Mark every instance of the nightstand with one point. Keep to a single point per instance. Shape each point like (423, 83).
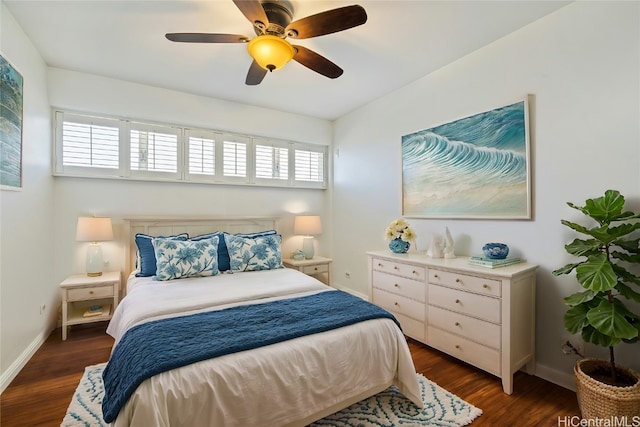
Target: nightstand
(312, 267)
(79, 292)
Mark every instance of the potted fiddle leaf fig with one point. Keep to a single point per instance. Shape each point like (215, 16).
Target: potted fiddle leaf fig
(601, 313)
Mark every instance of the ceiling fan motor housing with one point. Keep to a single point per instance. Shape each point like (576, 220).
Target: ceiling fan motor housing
(279, 15)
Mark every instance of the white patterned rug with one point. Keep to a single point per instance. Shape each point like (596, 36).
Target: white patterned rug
(386, 409)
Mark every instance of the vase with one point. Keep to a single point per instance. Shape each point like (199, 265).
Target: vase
(399, 246)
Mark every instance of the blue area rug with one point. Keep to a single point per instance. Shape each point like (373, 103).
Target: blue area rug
(386, 409)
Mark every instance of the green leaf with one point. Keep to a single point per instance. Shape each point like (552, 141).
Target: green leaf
(610, 319)
(590, 334)
(624, 275)
(575, 319)
(566, 269)
(634, 259)
(632, 246)
(579, 298)
(627, 292)
(604, 208)
(581, 247)
(596, 274)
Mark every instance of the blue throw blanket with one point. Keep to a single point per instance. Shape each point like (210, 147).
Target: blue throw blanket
(158, 346)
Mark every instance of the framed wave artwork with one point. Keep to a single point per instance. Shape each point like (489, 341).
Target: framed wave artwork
(476, 167)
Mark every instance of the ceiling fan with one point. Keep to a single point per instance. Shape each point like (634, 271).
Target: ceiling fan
(271, 20)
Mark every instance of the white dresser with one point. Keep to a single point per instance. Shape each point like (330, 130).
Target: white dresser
(483, 316)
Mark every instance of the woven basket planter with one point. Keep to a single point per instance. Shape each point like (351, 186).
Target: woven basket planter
(599, 400)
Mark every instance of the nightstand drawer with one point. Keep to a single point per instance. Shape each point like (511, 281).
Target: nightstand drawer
(315, 269)
(482, 307)
(80, 294)
(465, 282)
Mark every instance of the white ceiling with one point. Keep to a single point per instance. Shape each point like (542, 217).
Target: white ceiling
(401, 42)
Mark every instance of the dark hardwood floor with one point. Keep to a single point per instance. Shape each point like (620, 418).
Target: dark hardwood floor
(40, 394)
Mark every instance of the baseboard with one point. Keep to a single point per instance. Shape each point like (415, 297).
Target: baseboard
(21, 361)
(560, 378)
(352, 292)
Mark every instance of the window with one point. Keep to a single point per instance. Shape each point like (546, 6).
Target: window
(272, 162)
(310, 165)
(91, 146)
(154, 149)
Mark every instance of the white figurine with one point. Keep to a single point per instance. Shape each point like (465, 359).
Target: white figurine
(448, 245)
(435, 250)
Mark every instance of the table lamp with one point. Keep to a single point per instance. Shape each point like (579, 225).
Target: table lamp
(94, 230)
(307, 225)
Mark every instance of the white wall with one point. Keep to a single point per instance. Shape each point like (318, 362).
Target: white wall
(26, 216)
(582, 64)
(75, 197)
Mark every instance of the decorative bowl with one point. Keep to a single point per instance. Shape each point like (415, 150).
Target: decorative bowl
(495, 250)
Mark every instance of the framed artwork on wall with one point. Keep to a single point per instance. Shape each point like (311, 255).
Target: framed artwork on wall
(11, 99)
(476, 167)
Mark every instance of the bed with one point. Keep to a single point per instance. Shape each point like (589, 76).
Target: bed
(291, 379)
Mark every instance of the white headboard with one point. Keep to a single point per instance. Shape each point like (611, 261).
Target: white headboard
(165, 226)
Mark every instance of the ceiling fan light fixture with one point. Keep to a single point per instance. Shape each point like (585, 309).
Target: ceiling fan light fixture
(270, 52)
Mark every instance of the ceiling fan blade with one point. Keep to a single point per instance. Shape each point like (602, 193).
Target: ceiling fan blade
(206, 38)
(317, 62)
(255, 75)
(253, 11)
(328, 22)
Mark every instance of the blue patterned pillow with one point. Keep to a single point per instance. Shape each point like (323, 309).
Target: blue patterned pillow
(146, 254)
(178, 259)
(254, 253)
(223, 253)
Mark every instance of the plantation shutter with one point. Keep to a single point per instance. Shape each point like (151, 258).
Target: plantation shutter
(271, 161)
(154, 150)
(309, 165)
(90, 145)
(234, 158)
(201, 155)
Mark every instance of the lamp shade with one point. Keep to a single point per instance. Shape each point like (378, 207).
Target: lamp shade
(307, 225)
(91, 229)
(270, 52)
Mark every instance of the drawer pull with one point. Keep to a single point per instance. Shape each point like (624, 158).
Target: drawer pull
(415, 272)
(458, 281)
(436, 276)
(485, 286)
(396, 268)
(396, 304)
(457, 346)
(91, 292)
(379, 264)
(316, 268)
(457, 301)
(457, 323)
(396, 285)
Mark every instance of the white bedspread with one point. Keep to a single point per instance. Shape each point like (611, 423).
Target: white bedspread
(288, 383)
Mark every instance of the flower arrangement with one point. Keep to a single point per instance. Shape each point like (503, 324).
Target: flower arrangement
(399, 229)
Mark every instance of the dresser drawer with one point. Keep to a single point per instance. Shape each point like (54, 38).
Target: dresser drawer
(399, 304)
(480, 306)
(406, 270)
(468, 327)
(410, 327)
(315, 269)
(81, 294)
(465, 282)
(400, 285)
(483, 357)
